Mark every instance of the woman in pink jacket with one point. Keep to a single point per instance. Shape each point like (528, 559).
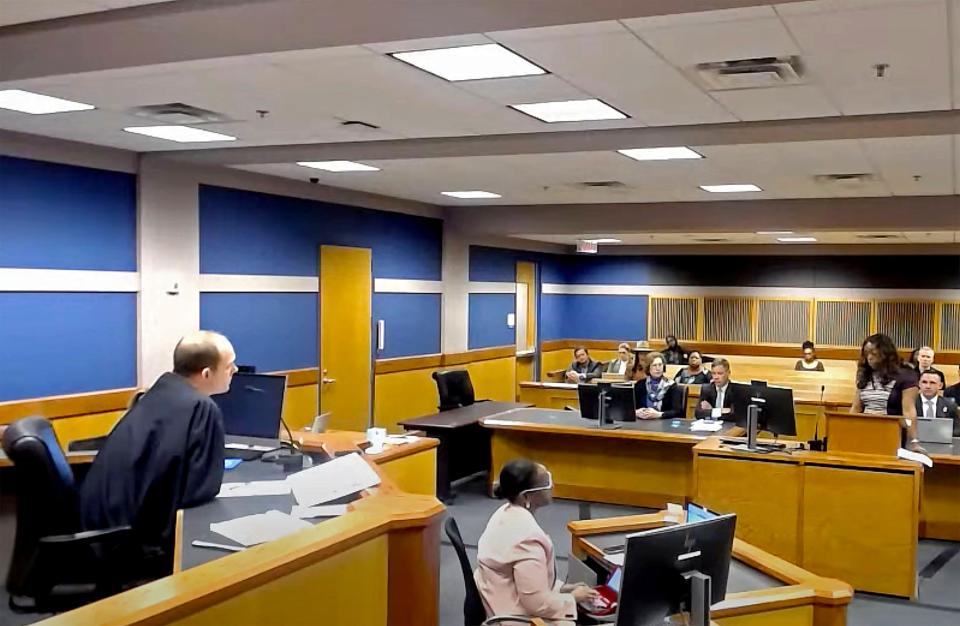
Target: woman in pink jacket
(516, 573)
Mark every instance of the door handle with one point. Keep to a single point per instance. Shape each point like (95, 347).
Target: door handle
(328, 381)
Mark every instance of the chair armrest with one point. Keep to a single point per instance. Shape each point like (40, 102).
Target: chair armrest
(87, 536)
(498, 619)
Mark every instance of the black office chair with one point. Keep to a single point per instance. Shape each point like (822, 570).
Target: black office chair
(474, 614)
(454, 389)
(55, 565)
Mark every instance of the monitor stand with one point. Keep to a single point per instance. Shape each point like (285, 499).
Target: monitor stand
(700, 593)
(602, 410)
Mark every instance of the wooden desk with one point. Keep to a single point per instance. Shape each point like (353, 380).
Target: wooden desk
(844, 515)
(779, 591)
(940, 497)
(464, 445)
(378, 564)
(644, 463)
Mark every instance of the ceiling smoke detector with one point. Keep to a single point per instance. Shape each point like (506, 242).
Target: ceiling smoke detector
(751, 73)
(178, 113)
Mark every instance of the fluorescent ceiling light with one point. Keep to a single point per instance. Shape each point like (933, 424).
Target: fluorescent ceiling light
(729, 188)
(471, 195)
(38, 104)
(570, 111)
(774, 232)
(661, 154)
(339, 166)
(180, 134)
(797, 239)
(604, 240)
(470, 62)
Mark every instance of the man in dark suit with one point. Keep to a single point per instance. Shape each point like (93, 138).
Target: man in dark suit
(716, 397)
(583, 367)
(953, 391)
(930, 404)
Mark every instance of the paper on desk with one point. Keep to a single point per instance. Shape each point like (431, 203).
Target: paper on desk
(401, 439)
(246, 446)
(260, 528)
(706, 426)
(308, 512)
(615, 559)
(334, 479)
(255, 488)
(919, 457)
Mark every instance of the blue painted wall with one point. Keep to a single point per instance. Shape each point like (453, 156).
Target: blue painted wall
(64, 343)
(412, 322)
(273, 331)
(55, 216)
(244, 232)
(487, 324)
(621, 318)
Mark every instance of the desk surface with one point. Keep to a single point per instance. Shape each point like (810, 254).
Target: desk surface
(944, 453)
(713, 447)
(570, 422)
(464, 416)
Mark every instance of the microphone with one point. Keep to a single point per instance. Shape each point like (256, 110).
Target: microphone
(815, 443)
(822, 389)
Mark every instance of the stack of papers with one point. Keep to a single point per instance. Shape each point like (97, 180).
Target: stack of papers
(706, 426)
(255, 488)
(310, 512)
(401, 439)
(251, 530)
(908, 455)
(334, 479)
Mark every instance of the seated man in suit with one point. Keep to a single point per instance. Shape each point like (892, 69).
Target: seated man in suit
(583, 367)
(716, 398)
(165, 454)
(953, 391)
(621, 364)
(930, 404)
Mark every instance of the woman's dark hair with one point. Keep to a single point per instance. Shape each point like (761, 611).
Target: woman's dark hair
(807, 344)
(889, 365)
(639, 365)
(668, 338)
(913, 361)
(515, 477)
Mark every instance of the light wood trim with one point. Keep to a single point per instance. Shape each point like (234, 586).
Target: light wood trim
(407, 363)
(623, 523)
(178, 542)
(472, 356)
(337, 441)
(55, 407)
(712, 447)
(582, 431)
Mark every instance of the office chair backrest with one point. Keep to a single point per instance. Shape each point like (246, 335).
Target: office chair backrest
(454, 389)
(47, 499)
(474, 613)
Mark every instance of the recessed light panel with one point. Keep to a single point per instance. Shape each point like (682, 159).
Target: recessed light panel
(661, 154)
(180, 134)
(570, 111)
(797, 239)
(38, 104)
(774, 232)
(470, 62)
(471, 195)
(730, 188)
(339, 166)
(604, 240)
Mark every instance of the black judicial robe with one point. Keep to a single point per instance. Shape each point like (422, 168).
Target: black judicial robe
(165, 454)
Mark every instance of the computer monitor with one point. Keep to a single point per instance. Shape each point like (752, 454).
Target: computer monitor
(253, 405)
(659, 566)
(739, 400)
(776, 409)
(697, 513)
(621, 403)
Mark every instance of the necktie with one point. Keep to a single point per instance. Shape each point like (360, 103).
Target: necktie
(930, 409)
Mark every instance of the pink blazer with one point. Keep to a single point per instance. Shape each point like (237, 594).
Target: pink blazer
(515, 572)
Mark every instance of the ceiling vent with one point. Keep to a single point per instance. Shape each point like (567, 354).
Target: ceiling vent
(878, 236)
(601, 184)
(751, 73)
(845, 181)
(178, 113)
(710, 239)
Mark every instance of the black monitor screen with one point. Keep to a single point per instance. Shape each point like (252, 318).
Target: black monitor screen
(253, 405)
(621, 403)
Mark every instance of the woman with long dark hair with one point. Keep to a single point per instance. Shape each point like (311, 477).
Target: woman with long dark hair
(885, 387)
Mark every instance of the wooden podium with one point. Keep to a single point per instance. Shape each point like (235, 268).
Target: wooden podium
(863, 433)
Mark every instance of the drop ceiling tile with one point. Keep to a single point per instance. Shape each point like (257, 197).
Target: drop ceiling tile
(774, 103)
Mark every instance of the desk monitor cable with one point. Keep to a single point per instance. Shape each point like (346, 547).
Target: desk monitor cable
(289, 454)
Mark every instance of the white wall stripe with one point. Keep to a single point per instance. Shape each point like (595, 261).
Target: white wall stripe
(15, 279)
(491, 287)
(400, 285)
(773, 292)
(248, 283)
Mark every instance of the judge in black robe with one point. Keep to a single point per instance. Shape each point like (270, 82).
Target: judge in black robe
(165, 454)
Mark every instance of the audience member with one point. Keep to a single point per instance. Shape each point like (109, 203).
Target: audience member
(583, 367)
(620, 365)
(693, 373)
(673, 354)
(809, 362)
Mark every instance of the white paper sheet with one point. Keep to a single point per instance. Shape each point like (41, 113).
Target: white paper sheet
(908, 455)
(245, 446)
(615, 559)
(401, 439)
(255, 488)
(309, 512)
(334, 479)
(706, 426)
(251, 530)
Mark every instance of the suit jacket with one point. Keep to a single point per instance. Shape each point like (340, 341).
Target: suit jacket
(708, 392)
(613, 367)
(515, 571)
(946, 408)
(953, 392)
(593, 369)
(673, 405)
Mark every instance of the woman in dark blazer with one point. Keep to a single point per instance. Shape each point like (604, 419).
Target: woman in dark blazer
(657, 396)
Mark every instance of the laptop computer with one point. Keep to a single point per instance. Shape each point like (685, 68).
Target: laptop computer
(935, 430)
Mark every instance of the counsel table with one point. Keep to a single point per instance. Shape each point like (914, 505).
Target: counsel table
(940, 498)
(644, 463)
(464, 445)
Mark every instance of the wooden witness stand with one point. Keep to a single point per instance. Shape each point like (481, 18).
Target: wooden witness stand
(378, 564)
